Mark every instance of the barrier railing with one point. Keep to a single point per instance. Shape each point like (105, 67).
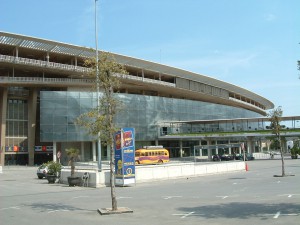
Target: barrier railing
(60, 66)
(44, 80)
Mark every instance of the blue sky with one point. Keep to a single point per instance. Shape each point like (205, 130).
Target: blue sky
(250, 43)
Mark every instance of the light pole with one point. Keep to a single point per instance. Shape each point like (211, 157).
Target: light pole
(98, 90)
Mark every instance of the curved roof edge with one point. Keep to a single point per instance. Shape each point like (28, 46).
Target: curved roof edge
(81, 51)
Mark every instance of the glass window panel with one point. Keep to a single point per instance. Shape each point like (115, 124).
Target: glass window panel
(46, 128)
(73, 103)
(59, 129)
(60, 120)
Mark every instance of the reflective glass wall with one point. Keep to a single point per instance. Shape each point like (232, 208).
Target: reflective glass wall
(58, 110)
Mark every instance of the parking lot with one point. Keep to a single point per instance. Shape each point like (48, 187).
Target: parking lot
(252, 197)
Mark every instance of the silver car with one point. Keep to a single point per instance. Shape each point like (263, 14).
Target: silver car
(42, 171)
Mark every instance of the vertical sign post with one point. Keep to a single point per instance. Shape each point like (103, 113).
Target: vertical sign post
(125, 156)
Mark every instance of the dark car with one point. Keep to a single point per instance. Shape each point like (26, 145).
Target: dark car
(216, 158)
(42, 171)
(248, 156)
(226, 157)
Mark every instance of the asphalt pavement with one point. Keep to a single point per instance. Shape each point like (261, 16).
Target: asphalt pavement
(248, 197)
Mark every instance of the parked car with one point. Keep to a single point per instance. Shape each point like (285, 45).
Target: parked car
(248, 156)
(226, 157)
(216, 158)
(42, 171)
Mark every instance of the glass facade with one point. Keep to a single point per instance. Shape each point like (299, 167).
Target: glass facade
(16, 126)
(58, 111)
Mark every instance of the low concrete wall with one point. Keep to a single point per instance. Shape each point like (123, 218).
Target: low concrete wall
(159, 172)
(260, 155)
(164, 172)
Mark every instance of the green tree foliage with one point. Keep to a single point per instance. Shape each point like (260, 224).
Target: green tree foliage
(295, 149)
(54, 168)
(275, 144)
(275, 119)
(100, 121)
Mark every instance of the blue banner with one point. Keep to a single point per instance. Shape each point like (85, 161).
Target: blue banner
(125, 156)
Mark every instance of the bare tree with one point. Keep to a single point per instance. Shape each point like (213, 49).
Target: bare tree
(275, 119)
(101, 119)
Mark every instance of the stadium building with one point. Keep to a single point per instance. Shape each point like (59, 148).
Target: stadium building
(44, 87)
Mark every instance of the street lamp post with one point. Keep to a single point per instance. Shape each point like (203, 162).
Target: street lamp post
(98, 89)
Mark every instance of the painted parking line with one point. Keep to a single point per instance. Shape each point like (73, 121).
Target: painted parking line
(123, 197)
(276, 216)
(184, 215)
(223, 197)
(288, 195)
(58, 210)
(12, 207)
(169, 197)
(80, 197)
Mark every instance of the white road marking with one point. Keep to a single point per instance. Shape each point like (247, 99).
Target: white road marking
(169, 197)
(276, 215)
(123, 197)
(184, 215)
(60, 210)
(283, 214)
(187, 215)
(80, 197)
(12, 207)
(223, 197)
(289, 195)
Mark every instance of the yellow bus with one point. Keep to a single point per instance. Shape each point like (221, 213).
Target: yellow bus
(151, 155)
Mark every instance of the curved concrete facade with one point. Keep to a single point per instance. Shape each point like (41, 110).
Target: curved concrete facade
(35, 125)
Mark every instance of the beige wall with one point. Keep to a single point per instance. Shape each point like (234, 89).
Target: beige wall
(3, 108)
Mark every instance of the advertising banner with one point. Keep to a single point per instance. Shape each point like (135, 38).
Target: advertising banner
(125, 156)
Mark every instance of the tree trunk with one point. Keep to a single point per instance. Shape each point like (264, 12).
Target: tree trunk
(112, 155)
(282, 163)
(282, 158)
(112, 179)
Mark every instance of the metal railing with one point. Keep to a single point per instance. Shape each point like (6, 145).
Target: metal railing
(41, 63)
(147, 80)
(45, 80)
(245, 103)
(60, 66)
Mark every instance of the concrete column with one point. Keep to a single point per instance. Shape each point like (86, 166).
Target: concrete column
(200, 150)
(94, 151)
(209, 153)
(32, 105)
(108, 152)
(180, 148)
(82, 152)
(260, 146)
(54, 151)
(17, 52)
(3, 109)
(47, 57)
(250, 145)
